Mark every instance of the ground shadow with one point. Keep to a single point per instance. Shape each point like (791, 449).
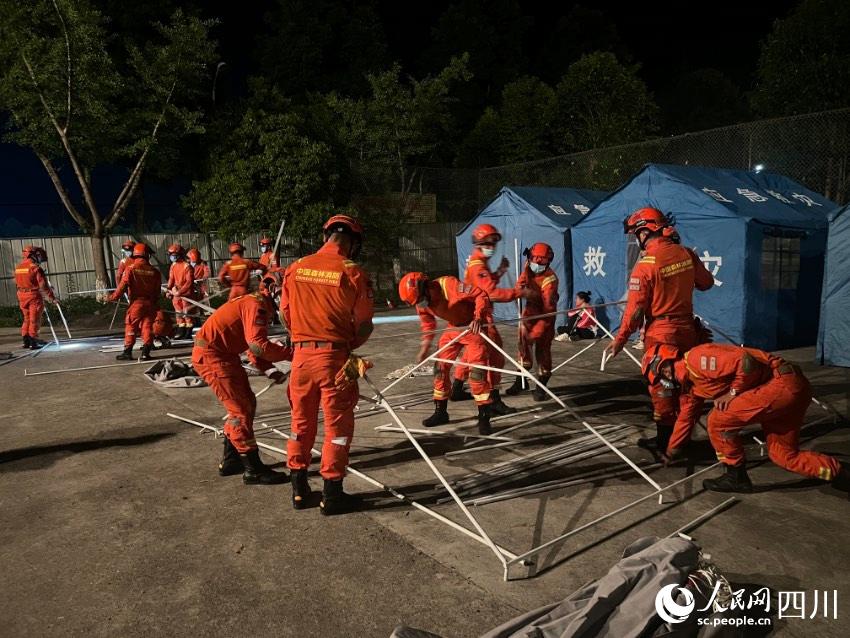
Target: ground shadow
(43, 456)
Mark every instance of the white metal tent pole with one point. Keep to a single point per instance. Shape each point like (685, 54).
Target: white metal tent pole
(50, 323)
(64, 321)
(582, 351)
(518, 301)
(436, 472)
(522, 370)
(277, 241)
(424, 361)
(607, 332)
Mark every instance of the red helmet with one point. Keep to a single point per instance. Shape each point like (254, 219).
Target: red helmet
(194, 255)
(29, 251)
(485, 234)
(176, 249)
(272, 282)
(411, 287)
(343, 224)
(266, 241)
(141, 250)
(541, 253)
(236, 247)
(653, 360)
(128, 245)
(649, 218)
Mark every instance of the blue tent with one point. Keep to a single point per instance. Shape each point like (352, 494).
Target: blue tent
(834, 330)
(527, 215)
(761, 235)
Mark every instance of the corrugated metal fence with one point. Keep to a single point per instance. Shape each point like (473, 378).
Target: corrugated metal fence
(70, 267)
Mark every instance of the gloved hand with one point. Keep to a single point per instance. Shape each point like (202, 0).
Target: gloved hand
(353, 369)
(277, 376)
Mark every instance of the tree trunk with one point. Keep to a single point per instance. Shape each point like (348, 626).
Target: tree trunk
(140, 211)
(101, 278)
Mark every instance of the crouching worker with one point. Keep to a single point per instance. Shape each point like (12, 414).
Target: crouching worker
(463, 307)
(538, 278)
(747, 386)
(163, 330)
(142, 283)
(239, 325)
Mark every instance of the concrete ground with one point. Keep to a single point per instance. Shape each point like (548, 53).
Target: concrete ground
(115, 522)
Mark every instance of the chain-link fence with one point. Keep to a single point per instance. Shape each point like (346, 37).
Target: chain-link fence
(812, 149)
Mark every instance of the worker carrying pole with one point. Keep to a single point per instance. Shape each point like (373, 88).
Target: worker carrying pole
(31, 284)
(142, 283)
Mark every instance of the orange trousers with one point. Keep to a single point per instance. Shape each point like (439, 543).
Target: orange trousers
(311, 385)
(31, 305)
(682, 334)
(780, 406)
(229, 381)
(237, 291)
(475, 350)
(540, 335)
(183, 308)
(139, 320)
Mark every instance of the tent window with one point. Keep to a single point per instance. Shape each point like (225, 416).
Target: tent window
(780, 263)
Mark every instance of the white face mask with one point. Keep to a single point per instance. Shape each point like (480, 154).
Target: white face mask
(193, 263)
(172, 258)
(536, 268)
(264, 249)
(127, 253)
(488, 252)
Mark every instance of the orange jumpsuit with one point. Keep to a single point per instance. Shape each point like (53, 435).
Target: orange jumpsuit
(236, 273)
(327, 304)
(540, 332)
(142, 282)
(202, 274)
(237, 326)
(661, 290)
(163, 326)
(122, 265)
(770, 391)
(478, 274)
(31, 282)
(458, 304)
(267, 260)
(181, 276)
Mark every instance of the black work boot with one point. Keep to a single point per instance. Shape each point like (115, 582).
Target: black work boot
(484, 414)
(335, 501)
(539, 394)
(257, 473)
(734, 480)
(300, 489)
(181, 333)
(230, 464)
(146, 353)
(127, 355)
(36, 343)
(497, 408)
(658, 443)
(517, 388)
(458, 393)
(27, 341)
(440, 416)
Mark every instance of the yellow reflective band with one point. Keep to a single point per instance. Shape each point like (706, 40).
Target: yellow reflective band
(439, 396)
(443, 286)
(825, 474)
(238, 267)
(348, 263)
(649, 259)
(549, 281)
(481, 397)
(475, 262)
(22, 271)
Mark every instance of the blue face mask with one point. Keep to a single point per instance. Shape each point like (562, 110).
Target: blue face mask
(264, 249)
(172, 258)
(193, 263)
(487, 252)
(127, 253)
(536, 268)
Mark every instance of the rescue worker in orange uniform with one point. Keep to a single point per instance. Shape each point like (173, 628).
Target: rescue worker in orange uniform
(126, 259)
(241, 324)
(181, 282)
(463, 307)
(163, 330)
(747, 386)
(267, 256)
(660, 294)
(327, 305)
(485, 237)
(200, 274)
(236, 273)
(543, 282)
(143, 284)
(31, 282)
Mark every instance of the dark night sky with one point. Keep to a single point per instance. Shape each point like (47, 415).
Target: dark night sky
(666, 38)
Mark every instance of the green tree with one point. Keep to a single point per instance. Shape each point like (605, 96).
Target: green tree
(805, 61)
(702, 99)
(481, 146)
(603, 103)
(75, 105)
(400, 125)
(527, 114)
(265, 169)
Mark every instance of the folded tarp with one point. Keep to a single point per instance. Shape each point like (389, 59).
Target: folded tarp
(173, 373)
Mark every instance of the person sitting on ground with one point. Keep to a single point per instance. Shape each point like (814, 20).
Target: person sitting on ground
(579, 324)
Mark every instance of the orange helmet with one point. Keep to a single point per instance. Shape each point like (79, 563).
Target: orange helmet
(412, 287)
(128, 245)
(343, 224)
(141, 250)
(540, 253)
(649, 218)
(194, 255)
(266, 241)
(176, 249)
(485, 234)
(236, 247)
(30, 251)
(271, 283)
(654, 359)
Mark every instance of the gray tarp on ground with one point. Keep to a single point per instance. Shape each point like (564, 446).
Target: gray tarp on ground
(621, 604)
(173, 373)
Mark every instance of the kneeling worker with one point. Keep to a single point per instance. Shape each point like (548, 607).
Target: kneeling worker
(241, 324)
(747, 386)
